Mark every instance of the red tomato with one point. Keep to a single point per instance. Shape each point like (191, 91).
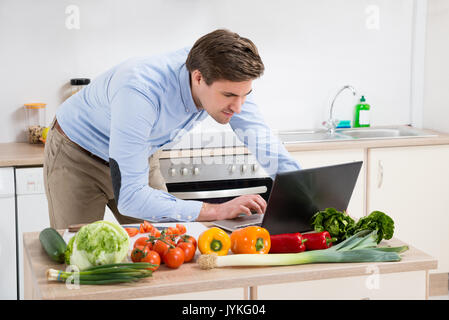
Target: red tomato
(132, 231)
(181, 228)
(154, 258)
(155, 233)
(187, 238)
(174, 257)
(172, 231)
(143, 241)
(138, 253)
(148, 227)
(189, 250)
(161, 247)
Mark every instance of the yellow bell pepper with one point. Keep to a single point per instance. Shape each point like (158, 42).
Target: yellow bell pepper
(214, 240)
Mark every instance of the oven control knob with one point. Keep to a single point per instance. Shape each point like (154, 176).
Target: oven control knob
(184, 171)
(232, 169)
(172, 172)
(196, 171)
(243, 168)
(255, 167)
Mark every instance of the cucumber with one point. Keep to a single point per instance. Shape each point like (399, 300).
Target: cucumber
(53, 244)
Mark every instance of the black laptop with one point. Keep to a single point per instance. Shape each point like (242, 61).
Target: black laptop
(297, 195)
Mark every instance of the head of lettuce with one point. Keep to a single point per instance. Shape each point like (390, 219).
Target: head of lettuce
(98, 243)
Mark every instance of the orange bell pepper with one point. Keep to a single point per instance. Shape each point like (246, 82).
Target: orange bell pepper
(251, 239)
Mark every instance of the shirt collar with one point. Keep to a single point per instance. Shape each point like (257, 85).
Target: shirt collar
(186, 92)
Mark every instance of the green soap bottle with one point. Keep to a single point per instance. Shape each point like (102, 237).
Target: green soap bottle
(361, 114)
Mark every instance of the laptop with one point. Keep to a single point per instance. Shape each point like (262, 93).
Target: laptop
(297, 195)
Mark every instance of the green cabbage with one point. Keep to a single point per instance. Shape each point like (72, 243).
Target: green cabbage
(98, 243)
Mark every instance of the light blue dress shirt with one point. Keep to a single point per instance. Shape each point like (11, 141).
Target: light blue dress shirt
(135, 108)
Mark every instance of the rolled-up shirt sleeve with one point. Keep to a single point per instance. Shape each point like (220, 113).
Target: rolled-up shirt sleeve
(251, 129)
(133, 116)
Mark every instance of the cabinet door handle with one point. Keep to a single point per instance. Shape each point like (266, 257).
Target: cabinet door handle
(380, 174)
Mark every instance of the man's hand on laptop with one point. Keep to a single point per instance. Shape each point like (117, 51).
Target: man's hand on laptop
(245, 204)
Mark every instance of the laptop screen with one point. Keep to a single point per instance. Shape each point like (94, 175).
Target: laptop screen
(297, 195)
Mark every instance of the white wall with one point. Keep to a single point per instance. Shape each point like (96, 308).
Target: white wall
(436, 88)
(310, 49)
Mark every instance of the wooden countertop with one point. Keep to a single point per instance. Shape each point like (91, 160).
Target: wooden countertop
(190, 278)
(25, 154)
(21, 154)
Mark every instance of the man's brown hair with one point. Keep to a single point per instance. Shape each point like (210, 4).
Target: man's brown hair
(224, 55)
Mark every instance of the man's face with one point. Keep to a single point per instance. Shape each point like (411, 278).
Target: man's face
(222, 99)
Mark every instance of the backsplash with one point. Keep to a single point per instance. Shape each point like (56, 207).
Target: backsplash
(310, 50)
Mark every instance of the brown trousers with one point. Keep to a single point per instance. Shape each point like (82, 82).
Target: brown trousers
(79, 187)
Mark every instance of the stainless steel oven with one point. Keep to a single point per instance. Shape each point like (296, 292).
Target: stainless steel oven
(215, 179)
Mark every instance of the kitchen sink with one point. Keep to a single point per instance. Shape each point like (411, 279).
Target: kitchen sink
(385, 133)
(310, 136)
(289, 137)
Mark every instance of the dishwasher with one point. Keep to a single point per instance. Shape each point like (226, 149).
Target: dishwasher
(8, 256)
(32, 211)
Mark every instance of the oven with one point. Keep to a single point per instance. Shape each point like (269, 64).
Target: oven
(215, 179)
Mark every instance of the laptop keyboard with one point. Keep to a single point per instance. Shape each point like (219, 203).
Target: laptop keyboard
(252, 220)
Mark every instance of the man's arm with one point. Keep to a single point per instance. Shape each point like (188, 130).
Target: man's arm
(133, 116)
(251, 129)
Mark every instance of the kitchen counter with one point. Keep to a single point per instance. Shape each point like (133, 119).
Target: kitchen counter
(17, 154)
(25, 154)
(189, 278)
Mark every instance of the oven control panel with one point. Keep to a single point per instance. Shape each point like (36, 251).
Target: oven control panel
(211, 168)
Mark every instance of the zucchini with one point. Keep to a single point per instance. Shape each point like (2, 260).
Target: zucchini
(53, 244)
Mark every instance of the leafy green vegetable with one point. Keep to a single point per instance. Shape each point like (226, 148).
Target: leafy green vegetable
(68, 250)
(378, 221)
(335, 222)
(98, 243)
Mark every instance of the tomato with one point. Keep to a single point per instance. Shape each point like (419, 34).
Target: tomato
(154, 258)
(189, 250)
(155, 233)
(138, 253)
(181, 228)
(187, 238)
(143, 241)
(172, 231)
(148, 227)
(174, 257)
(132, 231)
(161, 247)
(142, 228)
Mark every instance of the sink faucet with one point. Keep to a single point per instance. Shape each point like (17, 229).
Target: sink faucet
(331, 123)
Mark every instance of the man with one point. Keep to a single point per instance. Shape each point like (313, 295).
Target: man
(98, 148)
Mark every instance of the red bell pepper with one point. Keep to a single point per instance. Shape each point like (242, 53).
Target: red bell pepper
(318, 240)
(287, 243)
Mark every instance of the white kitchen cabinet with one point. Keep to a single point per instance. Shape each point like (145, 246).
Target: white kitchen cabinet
(32, 210)
(411, 184)
(312, 159)
(8, 268)
(395, 286)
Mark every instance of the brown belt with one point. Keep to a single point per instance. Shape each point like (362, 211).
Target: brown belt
(90, 154)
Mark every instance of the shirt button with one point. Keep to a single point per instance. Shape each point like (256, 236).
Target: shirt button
(178, 216)
(189, 217)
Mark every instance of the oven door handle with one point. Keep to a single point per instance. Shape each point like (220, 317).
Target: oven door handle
(214, 194)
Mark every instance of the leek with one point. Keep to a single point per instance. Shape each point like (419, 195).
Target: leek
(361, 247)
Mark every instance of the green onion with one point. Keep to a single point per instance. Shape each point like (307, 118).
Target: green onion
(104, 274)
(361, 247)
